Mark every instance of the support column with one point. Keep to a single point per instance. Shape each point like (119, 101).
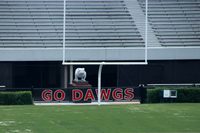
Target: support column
(71, 74)
(64, 76)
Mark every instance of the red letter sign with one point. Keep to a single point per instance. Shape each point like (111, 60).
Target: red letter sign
(77, 95)
(105, 94)
(117, 94)
(89, 95)
(47, 95)
(129, 94)
(62, 95)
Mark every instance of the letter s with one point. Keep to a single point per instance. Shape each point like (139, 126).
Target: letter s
(129, 94)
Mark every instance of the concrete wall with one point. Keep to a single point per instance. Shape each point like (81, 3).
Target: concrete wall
(6, 74)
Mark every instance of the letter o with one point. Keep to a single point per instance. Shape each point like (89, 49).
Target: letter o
(62, 95)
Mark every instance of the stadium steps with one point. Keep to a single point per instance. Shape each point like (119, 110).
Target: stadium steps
(89, 23)
(139, 18)
(175, 22)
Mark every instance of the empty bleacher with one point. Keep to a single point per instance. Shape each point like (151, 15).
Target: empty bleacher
(89, 23)
(175, 22)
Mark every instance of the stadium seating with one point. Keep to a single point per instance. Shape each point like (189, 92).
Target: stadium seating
(89, 23)
(175, 22)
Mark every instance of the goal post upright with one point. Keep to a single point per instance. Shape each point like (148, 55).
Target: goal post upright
(64, 21)
(146, 30)
(99, 83)
(101, 63)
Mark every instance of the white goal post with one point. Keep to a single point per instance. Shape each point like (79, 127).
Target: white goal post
(101, 63)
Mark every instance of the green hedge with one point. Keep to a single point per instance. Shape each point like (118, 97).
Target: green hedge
(16, 98)
(184, 94)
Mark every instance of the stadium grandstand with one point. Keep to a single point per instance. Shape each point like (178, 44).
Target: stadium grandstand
(31, 41)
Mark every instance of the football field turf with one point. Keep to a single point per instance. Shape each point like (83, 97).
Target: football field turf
(144, 118)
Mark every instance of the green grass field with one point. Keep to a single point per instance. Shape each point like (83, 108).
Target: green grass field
(145, 118)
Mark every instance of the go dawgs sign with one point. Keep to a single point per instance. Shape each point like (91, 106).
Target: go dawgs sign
(87, 95)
